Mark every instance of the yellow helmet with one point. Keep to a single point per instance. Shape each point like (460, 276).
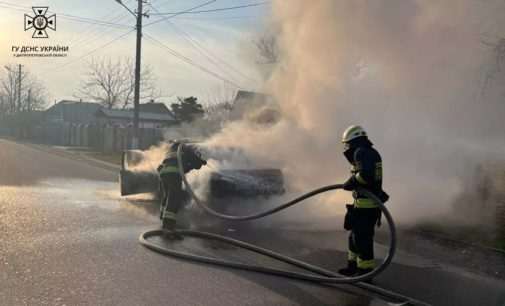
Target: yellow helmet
(353, 132)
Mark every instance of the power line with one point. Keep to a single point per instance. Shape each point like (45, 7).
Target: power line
(93, 34)
(25, 10)
(191, 62)
(186, 37)
(220, 18)
(212, 56)
(64, 16)
(93, 51)
(91, 20)
(106, 24)
(218, 63)
(181, 12)
(161, 4)
(82, 37)
(217, 9)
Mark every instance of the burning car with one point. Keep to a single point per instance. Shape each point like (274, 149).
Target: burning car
(247, 183)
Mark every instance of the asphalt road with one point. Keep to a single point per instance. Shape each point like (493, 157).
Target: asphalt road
(68, 238)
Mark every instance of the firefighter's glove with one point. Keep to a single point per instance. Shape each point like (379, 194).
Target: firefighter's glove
(199, 155)
(350, 184)
(383, 196)
(202, 161)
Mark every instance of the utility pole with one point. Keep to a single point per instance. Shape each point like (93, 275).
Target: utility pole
(29, 100)
(19, 86)
(136, 96)
(138, 56)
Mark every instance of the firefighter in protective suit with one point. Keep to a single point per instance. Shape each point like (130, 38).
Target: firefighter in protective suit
(363, 215)
(173, 196)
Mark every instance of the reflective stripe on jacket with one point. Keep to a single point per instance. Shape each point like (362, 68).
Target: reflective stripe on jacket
(170, 164)
(365, 203)
(367, 171)
(166, 169)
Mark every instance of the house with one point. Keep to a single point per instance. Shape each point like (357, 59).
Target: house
(76, 112)
(124, 118)
(154, 108)
(244, 95)
(254, 106)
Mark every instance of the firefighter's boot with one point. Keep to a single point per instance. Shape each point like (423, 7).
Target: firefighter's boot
(168, 227)
(168, 224)
(350, 270)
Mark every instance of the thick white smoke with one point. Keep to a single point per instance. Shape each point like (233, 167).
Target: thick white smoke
(415, 73)
(410, 72)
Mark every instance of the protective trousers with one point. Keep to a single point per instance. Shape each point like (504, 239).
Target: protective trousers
(361, 237)
(172, 198)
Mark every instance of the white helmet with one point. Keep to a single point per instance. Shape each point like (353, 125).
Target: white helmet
(353, 132)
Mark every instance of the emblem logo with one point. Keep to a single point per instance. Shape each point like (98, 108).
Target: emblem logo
(40, 22)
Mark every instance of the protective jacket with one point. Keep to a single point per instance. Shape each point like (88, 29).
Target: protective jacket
(169, 164)
(190, 157)
(173, 196)
(366, 172)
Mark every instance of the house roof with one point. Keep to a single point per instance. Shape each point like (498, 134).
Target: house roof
(72, 111)
(128, 114)
(247, 100)
(251, 95)
(153, 107)
(77, 104)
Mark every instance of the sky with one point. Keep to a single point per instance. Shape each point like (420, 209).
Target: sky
(225, 36)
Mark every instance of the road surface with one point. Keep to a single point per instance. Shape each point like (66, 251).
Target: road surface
(67, 238)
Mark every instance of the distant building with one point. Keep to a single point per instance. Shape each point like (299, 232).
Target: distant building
(245, 96)
(72, 112)
(154, 108)
(124, 118)
(257, 107)
(151, 115)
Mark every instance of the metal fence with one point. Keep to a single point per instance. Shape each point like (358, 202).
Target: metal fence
(96, 137)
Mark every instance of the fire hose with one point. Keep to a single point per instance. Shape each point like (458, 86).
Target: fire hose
(324, 276)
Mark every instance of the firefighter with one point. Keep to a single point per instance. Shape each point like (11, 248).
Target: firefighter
(363, 214)
(173, 196)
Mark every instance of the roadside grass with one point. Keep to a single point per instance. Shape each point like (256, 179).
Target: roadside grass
(500, 244)
(472, 234)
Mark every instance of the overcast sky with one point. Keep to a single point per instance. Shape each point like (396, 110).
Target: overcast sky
(226, 35)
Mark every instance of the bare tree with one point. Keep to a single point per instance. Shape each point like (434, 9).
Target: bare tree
(266, 52)
(4, 107)
(223, 94)
(498, 65)
(218, 111)
(112, 83)
(10, 88)
(33, 93)
(268, 49)
(219, 103)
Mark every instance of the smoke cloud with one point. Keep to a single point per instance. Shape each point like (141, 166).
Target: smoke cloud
(411, 72)
(421, 76)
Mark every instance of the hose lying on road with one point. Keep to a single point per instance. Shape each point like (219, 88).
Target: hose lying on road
(324, 276)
